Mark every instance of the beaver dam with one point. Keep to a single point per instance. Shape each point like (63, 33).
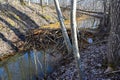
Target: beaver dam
(44, 38)
(48, 35)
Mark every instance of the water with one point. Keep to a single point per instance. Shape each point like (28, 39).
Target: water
(30, 66)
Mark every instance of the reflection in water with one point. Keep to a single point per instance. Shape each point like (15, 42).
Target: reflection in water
(22, 69)
(32, 65)
(30, 70)
(8, 72)
(35, 61)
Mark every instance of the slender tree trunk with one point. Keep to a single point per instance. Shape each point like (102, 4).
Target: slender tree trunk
(74, 35)
(64, 31)
(22, 2)
(41, 3)
(7, 1)
(113, 54)
(47, 2)
(29, 2)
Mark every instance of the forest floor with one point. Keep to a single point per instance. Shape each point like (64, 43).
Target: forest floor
(92, 63)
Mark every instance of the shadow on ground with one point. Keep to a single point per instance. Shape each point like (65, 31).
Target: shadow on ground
(8, 41)
(22, 23)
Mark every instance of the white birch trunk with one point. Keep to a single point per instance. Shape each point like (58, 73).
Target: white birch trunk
(64, 31)
(29, 2)
(74, 35)
(41, 3)
(47, 2)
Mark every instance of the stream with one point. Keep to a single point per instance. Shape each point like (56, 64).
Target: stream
(32, 65)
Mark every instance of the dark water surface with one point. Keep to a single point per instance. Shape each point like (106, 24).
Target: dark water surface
(29, 66)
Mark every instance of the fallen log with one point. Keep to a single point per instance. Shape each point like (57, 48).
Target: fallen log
(85, 12)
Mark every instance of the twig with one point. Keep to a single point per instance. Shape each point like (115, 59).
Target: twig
(51, 39)
(113, 72)
(99, 42)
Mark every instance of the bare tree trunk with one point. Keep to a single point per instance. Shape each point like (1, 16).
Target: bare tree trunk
(22, 2)
(29, 2)
(41, 3)
(7, 1)
(64, 31)
(113, 54)
(74, 35)
(47, 2)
